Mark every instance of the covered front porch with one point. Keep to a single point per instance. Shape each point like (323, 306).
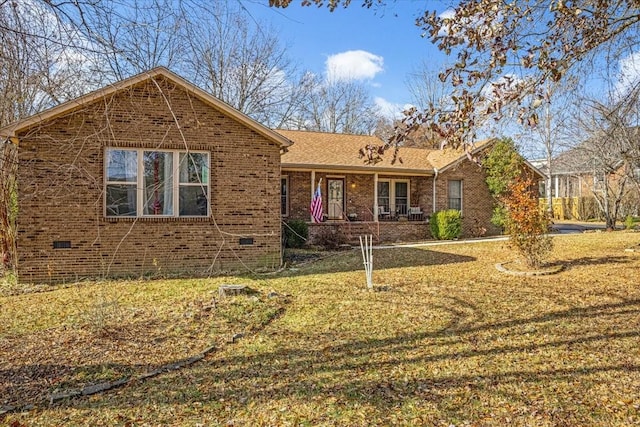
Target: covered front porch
(354, 198)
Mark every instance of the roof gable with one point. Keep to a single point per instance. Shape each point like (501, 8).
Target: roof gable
(159, 72)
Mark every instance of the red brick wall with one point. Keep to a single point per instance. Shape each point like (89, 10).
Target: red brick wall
(299, 194)
(476, 199)
(477, 202)
(382, 232)
(61, 192)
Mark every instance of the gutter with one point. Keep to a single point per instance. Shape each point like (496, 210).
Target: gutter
(351, 169)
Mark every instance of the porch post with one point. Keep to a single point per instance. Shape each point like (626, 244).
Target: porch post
(375, 197)
(579, 186)
(557, 187)
(313, 189)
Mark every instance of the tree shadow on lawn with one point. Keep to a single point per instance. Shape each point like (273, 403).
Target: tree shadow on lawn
(579, 262)
(370, 371)
(347, 261)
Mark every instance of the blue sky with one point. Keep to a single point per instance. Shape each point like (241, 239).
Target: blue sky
(378, 46)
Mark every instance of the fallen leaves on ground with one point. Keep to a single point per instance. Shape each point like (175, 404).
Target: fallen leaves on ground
(446, 340)
(70, 338)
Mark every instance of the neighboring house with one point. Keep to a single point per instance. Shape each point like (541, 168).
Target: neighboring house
(391, 201)
(580, 174)
(573, 173)
(151, 175)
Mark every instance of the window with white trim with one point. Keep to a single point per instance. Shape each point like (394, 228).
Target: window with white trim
(152, 183)
(393, 196)
(454, 194)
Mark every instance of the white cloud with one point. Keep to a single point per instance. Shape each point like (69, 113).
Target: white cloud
(629, 72)
(353, 65)
(389, 109)
(447, 14)
(502, 85)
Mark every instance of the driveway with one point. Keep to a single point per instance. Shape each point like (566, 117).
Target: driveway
(563, 227)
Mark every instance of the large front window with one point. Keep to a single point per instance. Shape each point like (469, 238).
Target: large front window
(156, 183)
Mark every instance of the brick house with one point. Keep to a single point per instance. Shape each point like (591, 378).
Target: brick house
(150, 175)
(393, 202)
(587, 172)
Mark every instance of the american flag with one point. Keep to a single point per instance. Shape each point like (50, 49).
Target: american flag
(316, 205)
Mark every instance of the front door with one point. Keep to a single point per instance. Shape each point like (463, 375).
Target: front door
(335, 192)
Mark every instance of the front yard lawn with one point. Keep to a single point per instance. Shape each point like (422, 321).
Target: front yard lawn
(447, 340)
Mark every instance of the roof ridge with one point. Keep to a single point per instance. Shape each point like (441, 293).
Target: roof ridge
(121, 85)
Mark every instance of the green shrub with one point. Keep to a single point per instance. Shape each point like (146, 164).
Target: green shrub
(629, 223)
(446, 225)
(499, 216)
(296, 233)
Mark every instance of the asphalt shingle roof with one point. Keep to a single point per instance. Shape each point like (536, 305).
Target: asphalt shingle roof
(341, 151)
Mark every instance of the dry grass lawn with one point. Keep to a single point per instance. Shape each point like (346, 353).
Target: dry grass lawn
(450, 341)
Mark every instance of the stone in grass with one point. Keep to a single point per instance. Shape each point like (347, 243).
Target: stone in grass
(227, 290)
(236, 337)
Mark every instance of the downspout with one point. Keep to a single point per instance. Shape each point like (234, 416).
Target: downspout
(375, 197)
(435, 177)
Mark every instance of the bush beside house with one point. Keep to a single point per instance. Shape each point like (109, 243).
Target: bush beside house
(446, 225)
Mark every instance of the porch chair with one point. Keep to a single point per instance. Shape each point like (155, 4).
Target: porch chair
(415, 213)
(383, 213)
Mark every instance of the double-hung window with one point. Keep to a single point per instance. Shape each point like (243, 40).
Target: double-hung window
(455, 194)
(151, 183)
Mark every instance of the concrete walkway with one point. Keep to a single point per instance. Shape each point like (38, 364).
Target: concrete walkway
(569, 227)
(558, 229)
(442, 242)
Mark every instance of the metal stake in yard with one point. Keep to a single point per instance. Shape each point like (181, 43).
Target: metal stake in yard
(367, 258)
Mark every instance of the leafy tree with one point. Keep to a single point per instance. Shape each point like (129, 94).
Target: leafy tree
(526, 225)
(502, 165)
(505, 52)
